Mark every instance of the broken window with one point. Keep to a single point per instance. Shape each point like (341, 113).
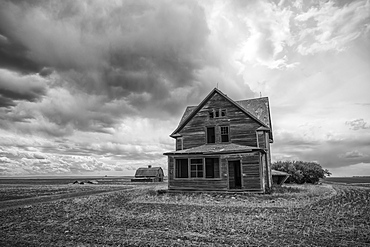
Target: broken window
(216, 113)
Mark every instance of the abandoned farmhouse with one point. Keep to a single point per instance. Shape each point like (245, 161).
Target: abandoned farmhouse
(222, 145)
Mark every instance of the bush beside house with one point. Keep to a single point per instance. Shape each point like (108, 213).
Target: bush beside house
(301, 171)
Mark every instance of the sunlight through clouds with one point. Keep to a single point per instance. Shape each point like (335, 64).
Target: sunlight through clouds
(94, 87)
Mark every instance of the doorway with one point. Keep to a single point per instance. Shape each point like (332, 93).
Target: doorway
(235, 175)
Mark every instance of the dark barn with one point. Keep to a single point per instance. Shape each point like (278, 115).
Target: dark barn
(148, 174)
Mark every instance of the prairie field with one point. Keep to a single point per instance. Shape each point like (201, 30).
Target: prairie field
(364, 181)
(120, 213)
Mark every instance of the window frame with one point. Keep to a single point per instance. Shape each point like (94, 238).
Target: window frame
(214, 134)
(217, 113)
(219, 168)
(197, 166)
(203, 158)
(180, 141)
(228, 133)
(176, 170)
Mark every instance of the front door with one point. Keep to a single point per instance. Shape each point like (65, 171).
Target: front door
(235, 178)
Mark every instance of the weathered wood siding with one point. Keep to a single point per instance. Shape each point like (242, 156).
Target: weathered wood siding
(268, 165)
(252, 172)
(242, 127)
(171, 168)
(231, 177)
(261, 139)
(252, 178)
(264, 171)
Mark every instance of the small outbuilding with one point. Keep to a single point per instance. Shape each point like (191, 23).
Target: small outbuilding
(279, 177)
(148, 174)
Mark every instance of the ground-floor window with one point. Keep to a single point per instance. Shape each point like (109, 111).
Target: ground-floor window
(197, 168)
(181, 168)
(212, 168)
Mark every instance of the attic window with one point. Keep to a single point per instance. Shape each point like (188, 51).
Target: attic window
(216, 113)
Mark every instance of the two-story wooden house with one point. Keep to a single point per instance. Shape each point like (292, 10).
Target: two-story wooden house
(222, 145)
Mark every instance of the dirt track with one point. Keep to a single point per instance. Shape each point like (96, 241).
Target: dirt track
(39, 199)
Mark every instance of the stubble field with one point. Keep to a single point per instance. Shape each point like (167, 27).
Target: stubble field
(126, 214)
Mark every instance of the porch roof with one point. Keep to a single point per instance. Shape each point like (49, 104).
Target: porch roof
(224, 148)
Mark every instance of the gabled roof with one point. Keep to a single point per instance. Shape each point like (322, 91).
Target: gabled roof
(216, 149)
(257, 108)
(148, 171)
(187, 112)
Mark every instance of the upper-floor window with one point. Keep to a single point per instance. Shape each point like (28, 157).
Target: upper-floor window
(211, 135)
(225, 134)
(179, 143)
(216, 113)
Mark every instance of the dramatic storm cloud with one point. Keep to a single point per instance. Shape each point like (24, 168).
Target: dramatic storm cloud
(96, 87)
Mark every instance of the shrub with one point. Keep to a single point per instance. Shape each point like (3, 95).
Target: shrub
(301, 171)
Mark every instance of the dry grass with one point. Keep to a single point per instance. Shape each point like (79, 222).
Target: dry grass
(287, 196)
(12, 192)
(292, 216)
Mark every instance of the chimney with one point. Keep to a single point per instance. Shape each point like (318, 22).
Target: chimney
(149, 166)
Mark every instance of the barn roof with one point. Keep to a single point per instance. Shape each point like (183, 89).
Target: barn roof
(215, 149)
(148, 171)
(257, 108)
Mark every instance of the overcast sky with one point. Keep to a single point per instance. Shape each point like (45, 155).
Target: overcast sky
(96, 87)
